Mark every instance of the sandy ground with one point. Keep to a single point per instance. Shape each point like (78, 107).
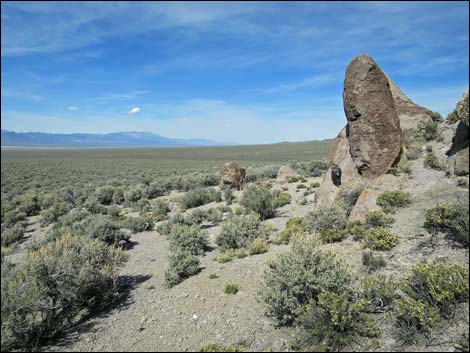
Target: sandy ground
(197, 312)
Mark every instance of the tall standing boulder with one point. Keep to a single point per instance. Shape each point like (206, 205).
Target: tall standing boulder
(232, 175)
(374, 134)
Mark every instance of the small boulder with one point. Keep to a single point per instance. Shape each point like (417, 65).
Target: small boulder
(233, 175)
(285, 173)
(367, 200)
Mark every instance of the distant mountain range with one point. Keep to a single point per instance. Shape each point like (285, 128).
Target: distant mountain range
(116, 139)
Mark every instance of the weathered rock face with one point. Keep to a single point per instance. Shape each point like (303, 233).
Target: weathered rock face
(458, 163)
(462, 162)
(233, 175)
(462, 108)
(367, 200)
(342, 170)
(458, 153)
(373, 130)
(285, 173)
(410, 114)
(460, 140)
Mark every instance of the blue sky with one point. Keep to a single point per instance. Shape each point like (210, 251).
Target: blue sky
(244, 72)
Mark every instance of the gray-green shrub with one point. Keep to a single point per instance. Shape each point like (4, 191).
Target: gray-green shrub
(378, 219)
(297, 277)
(260, 200)
(52, 286)
(334, 320)
(51, 214)
(100, 227)
(138, 224)
(161, 210)
(188, 238)
(132, 195)
(239, 231)
(310, 168)
(104, 194)
(380, 238)
(380, 291)
(181, 265)
(29, 204)
(372, 262)
(281, 198)
(433, 161)
(118, 196)
(12, 235)
(199, 196)
(432, 291)
(450, 218)
(153, 190)
(13, 217)
(326, 217)
(391, 200)
(258, 246)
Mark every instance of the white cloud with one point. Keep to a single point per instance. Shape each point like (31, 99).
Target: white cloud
(72, 107)
(22, 95)
(78, 20)
(134, 110)
(309, 82)
(130, 95)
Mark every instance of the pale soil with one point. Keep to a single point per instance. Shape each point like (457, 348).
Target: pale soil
(197, 312)
(189, 315)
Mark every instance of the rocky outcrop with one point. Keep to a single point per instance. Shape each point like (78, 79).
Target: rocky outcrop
(460, 140)
(285, 173)
(381, 119)
(459, 162)
(232, 175)
(373, 130)
(459, 151)
(462, 108)
(341, 170)
(410, 114)
(367, 200)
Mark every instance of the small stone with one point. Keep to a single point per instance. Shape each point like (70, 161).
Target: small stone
(195, 317)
